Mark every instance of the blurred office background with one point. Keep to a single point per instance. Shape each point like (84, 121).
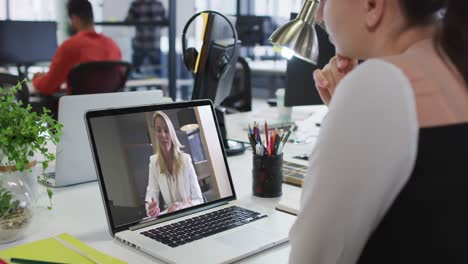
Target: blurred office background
(268, 70)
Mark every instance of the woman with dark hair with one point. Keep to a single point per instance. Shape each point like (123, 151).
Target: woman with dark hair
(387, 181)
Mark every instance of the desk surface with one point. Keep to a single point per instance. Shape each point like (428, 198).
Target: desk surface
(78, 210)
(305, 117)
(164, 82)
(268, 67)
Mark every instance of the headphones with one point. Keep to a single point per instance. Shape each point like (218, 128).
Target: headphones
(190, 55)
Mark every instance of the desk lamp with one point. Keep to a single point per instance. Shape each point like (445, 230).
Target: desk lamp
(298, 37)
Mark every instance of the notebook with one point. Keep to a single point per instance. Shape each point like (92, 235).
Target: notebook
(74, 163)
(63, 248)
(199, 218)
(290, 202)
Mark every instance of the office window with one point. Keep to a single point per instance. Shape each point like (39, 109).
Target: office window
(33, 10)
(276, 8)
(41, 9)
(3, 10)
(224, 7)
(196, 147)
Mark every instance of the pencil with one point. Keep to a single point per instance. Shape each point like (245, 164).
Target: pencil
(266, 133)
(32, 261)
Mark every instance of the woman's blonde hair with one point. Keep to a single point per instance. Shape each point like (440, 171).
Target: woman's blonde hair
(176, 146)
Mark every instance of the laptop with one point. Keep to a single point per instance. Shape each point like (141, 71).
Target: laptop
(217, 229)
(74, 163)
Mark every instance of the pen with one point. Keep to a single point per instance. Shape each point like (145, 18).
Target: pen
(273, 142)
(289, 133)
(266, 133)
(32, 261)
(277, 143)
(259, 135)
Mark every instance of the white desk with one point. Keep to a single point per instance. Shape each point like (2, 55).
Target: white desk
(164, 82)
(275, 71)
(78, 210)
(157, 82)
(268, 67)
(306, 118)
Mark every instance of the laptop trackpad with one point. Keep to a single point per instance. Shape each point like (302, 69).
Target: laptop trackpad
(247, 238)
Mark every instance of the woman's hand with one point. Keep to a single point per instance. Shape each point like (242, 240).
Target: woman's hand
(153, 208)
(180, 205)
(328, 78)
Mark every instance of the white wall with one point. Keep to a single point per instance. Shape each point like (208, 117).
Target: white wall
(114, 164)
(214, 150)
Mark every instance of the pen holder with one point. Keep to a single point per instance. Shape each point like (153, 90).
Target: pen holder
(267, 175)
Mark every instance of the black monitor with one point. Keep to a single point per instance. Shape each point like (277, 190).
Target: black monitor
(254, 30)
(218, 42)
(300, 84)
(207, 84)
(27, 42)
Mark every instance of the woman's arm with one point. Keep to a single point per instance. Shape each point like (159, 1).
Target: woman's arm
(195, 191)
(152, 190)
(363, 157)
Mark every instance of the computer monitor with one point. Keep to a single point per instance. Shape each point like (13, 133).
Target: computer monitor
(300, 84)
(213, 74)
(254, 30)
(27, 42)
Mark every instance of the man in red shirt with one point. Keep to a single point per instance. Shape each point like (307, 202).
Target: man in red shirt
(85, 46)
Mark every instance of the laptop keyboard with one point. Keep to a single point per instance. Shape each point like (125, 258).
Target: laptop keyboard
(195, 228)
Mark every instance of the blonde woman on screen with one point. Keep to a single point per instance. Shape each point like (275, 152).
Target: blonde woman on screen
(171, 172)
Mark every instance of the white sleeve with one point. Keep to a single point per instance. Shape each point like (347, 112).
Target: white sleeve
(195, 191)
(363, 157)
(152, 190)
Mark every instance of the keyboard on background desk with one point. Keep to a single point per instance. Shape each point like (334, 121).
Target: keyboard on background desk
(293, 173)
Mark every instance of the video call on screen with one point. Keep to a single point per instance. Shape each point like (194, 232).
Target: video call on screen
(145, 177)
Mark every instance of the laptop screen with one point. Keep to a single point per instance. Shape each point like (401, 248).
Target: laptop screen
(156, 161)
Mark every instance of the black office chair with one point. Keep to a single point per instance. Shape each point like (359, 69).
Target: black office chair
(240, 98)
(9, 80)
(99, 77)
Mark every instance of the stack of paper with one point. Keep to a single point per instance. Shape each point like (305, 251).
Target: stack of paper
(290, 202)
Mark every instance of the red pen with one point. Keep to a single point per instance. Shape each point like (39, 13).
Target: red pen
(266, 133)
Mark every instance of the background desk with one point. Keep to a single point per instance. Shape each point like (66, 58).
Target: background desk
(161, 82)
(273, 71)
(78, 210)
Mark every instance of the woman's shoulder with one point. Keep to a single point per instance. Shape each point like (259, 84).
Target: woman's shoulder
(153, 158)
(374, 84)
(374, 74)
(186, 158)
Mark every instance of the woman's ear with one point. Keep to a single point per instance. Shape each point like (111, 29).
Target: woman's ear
(373, 12)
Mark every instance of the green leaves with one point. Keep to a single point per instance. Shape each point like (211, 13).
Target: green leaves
(24, 132)
(50, 194)
(5, 202)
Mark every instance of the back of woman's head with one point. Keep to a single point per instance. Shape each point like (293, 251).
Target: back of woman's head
(453, 34)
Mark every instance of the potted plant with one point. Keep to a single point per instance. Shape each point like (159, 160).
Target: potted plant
(23, 133)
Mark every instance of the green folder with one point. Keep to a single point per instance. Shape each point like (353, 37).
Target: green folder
(52, 250)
